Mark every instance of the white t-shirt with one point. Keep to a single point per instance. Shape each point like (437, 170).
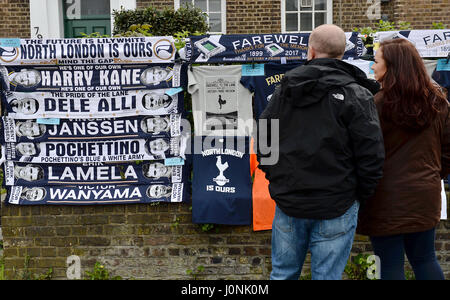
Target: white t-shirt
(221, 105)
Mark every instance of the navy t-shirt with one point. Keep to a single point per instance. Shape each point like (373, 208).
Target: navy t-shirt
(221, 186)
(443, 79)
(264, 86)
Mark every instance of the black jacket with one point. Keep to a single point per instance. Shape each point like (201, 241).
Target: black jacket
(331, 149)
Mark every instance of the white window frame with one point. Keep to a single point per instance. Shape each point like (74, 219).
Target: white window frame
(329, 18)
(223, 8)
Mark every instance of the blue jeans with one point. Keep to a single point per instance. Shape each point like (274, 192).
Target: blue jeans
(419, 248)
(329, 241)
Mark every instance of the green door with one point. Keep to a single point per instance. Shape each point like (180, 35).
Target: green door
(86, 16)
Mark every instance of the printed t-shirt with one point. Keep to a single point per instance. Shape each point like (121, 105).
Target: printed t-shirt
(221, 185)
(221, 105)
(443, 79)
(264, 86)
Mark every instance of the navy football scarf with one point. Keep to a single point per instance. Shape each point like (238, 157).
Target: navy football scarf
(18, 131)
(97, 194)
(96, 151)
(137, 173)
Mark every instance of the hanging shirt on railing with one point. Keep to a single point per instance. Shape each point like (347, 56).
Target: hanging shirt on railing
(221, 105)
(264, 86)
(222, 187)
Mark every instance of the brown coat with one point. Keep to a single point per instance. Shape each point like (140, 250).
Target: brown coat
(408, 197)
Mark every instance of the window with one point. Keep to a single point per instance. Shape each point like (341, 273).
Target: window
(215, 9)
(305, 15)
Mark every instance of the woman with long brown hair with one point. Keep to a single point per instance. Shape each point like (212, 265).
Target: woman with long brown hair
(402, 215)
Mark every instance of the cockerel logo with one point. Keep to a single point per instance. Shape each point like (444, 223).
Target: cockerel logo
(221, 179)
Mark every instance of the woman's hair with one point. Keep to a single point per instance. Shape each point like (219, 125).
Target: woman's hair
(411, 100)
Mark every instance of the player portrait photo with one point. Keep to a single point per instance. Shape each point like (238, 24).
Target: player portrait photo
(156, 170)
(158, 147)
(157, 191)
(26, 77)
(28, 149)
(156, 75)
(154, 101)
(25, 106)
(29, 172)
(155, 124)
(33, 194)
(30, 129)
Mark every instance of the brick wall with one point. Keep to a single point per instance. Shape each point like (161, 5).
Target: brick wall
(253, 16)
(349, 14)
(421, 13)
(15, 18)
(443, 244)
(263, 16)
(154, 3)
(243, 16)
(133, 241)
(160, 241)
(146, 242)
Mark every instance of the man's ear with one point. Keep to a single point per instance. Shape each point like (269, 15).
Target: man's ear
(311, 53)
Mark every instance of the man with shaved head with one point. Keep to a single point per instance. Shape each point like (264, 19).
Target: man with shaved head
(327, 41)
(331, 157)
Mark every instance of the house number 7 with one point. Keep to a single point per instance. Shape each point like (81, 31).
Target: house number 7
(38, 35)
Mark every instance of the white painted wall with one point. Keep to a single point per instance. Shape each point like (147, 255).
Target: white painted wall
(116, 4)
(46, 17)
